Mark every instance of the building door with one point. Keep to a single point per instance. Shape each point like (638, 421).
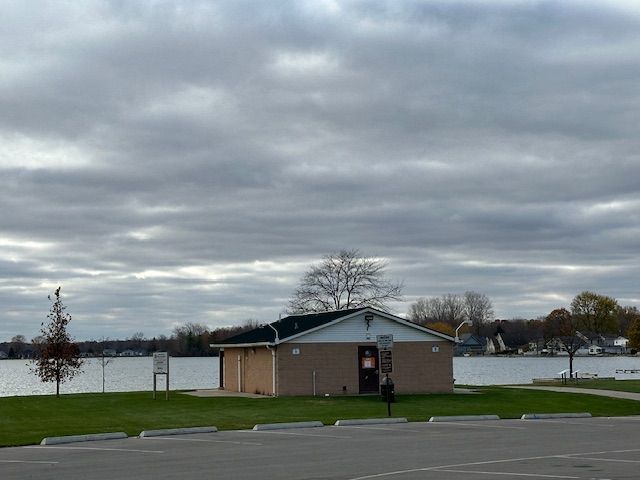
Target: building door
(368, 369)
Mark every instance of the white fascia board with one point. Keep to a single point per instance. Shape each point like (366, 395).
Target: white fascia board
(241, 345)
(320, 327)
(380, 313)
(436, 333)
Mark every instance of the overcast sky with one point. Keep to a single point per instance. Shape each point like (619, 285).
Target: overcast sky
(179, 161)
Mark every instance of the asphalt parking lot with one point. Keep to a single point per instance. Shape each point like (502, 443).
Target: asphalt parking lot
(590, 449)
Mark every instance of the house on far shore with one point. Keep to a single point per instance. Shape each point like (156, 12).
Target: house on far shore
(470, 344)
(335, 353)
(3, 355)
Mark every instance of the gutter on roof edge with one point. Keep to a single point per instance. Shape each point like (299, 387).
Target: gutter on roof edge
(242, 345)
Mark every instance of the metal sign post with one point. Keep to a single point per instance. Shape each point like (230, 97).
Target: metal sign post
(161, 367)
(385, 351)
(388, 397)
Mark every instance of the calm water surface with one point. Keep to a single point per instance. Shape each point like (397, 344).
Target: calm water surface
(122, 374)
(135, 374)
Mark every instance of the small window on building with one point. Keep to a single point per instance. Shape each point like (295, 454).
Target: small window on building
(435, 348)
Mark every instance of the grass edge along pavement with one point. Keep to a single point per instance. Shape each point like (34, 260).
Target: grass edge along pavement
(26, 420)
(632, 386)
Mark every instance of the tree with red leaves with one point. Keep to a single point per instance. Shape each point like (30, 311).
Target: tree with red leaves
(58, 356)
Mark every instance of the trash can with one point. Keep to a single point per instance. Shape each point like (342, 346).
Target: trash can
(387, 390)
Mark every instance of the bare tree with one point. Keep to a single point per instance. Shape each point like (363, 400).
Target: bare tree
(478, 309)
(191, 339)
(59, 357)
(420, 311)
(104, 360)
(17, 346)
(560, 324)
(137, 339)
(448, 308)
(343, 280)
(454, 309)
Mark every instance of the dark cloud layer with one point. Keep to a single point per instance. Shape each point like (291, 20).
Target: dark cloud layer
(185, 161)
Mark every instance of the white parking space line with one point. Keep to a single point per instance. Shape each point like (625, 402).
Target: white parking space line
(575, 456)
(631, 450)
(297, 434)
(477, 425)
(362, 427)
(442, 467)
(175, 439)
(582, 424)
(29, 461)
(530, 475)
(132, 450)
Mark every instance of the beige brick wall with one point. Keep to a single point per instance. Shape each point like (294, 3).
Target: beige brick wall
(255, 370)
(335, 364)
(417, 369)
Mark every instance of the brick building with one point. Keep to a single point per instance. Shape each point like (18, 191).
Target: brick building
(335, 353)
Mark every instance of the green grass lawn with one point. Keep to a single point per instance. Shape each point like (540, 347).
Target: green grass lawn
(602, 384)
(26, 420)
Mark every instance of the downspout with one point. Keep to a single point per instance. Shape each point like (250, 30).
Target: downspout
(277, 340)
(273, 369)
(273, 359)
(221, 368)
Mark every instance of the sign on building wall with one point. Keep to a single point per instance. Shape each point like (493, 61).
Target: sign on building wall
(386, 361)
(385, 347)
(385, 342)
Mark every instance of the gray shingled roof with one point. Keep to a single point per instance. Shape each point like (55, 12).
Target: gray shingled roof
(296, 324)
(287, 327)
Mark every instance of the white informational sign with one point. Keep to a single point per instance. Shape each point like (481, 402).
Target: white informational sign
(161, 367)
(161, 363)
(385, 342)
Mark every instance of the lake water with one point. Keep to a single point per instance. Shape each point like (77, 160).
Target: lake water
(122, 374)
(135, 374)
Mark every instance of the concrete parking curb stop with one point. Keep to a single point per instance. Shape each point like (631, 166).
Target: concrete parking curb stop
(541, 416)
(281, 426)
(464, 418)
(83, 438)
(176, 431)
(369, 421)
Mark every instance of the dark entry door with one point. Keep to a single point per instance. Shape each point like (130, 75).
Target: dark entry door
(368, 369)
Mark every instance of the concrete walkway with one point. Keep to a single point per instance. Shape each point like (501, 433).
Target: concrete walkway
(215, 392)
(587, 391)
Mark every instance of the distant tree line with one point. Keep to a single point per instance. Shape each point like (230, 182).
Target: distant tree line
(589, 314)
(447, 312)
(187, 340)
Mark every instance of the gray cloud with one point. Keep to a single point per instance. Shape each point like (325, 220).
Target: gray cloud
(185, 161)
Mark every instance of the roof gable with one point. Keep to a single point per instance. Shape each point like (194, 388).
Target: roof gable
(287, 327)
(295, 326)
